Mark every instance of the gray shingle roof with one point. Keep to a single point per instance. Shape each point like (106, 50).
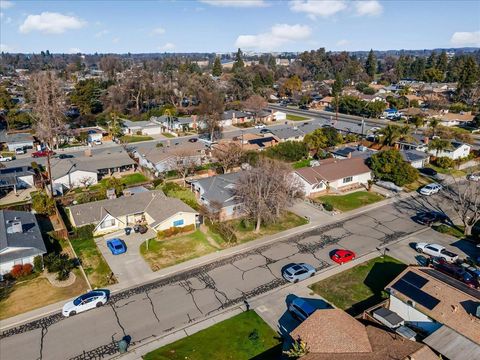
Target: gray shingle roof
(287, 133)
(413, 155)
(154, 203)
(219, 188)
(29, 242)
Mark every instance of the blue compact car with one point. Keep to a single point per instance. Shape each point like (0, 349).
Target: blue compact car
(116, 246)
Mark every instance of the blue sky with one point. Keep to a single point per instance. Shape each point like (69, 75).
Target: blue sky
(223, 25)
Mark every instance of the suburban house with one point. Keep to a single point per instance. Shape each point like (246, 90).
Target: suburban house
(288, 134)
(146, 128)
(412, 97)
(442, 307)
(454, 119)
(218, 194)
(350, 152)
(326, 102)
(269, 115)
(418, 159)
(251, 141)
(232, 117)
(166, 158)
(20, 177)
(20, 239)
(417, 142)
(457, 151)
(17, 140)
(152, 208)
(87, 170)
(334, 174)
(176, 124)
(332, 334)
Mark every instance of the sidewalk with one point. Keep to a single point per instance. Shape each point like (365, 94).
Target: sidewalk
(194, 263)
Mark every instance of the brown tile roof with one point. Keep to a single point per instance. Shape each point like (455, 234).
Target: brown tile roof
(333, 331)
(383, 345)
(454, 309)
(333, 169)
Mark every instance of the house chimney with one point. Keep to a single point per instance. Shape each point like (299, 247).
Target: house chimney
(17, 227)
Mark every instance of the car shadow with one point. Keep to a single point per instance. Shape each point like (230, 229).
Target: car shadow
(467, 247)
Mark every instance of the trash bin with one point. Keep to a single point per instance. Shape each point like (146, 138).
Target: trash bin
(122, 344)
(128, 230)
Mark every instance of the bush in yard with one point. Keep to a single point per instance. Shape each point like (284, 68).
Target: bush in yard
(175, 231)
(60, 264)
(444, 162)
(225, 231)
(38, 263)
(389, 166)
(19, 271)
(288, 151)
(328, 206)
(43, 204)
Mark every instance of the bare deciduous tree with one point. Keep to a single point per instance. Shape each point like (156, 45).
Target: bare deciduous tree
(86, 181)
(47, 99)
(465, 200)
(255, 103)
(228, 155)
(266, 190)
(184, 163)
(211, 108)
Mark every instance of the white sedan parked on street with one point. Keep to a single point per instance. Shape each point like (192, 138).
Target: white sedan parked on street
(85, 302)
(430, 189)
(259, 126)
(474, 177)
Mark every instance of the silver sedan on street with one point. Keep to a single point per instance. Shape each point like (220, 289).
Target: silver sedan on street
(297, 272)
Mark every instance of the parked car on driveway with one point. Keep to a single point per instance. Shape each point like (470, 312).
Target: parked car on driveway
(116, 246)
(297, 272)
(429, 218)
(436, 250)
(428, 171)
(301, 309)
(142, 229)
(473, 177)
(97, 142)
(85, 302)
(430, 189)
(42, 153)
(20, 151)
(341, 256)
(5, 158)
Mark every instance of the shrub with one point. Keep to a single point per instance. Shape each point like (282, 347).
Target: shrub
(60, 264)
(175, 231)
(38, 263)
(19, 271)
(389, 166)
(159, 145)
(288, 151)
(83, 232)
(157, 182)
(444, 162)
(327, 206)
(225, 231)
(43, 204)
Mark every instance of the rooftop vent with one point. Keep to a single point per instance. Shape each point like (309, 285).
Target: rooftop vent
(15, 228)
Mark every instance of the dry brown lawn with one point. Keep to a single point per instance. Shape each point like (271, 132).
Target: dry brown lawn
(38, 292)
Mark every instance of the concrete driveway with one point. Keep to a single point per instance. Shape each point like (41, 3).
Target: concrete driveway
(129, 268)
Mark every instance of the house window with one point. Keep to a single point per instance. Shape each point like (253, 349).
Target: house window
(177, 223)
(108, 223)
(347, 179)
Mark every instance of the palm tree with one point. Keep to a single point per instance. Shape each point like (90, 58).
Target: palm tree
(393, 133)
(439, 145)
(434, 124)
(418, 121)
(115, 126)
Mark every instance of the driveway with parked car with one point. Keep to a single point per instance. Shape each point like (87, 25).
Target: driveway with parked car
(129, 267)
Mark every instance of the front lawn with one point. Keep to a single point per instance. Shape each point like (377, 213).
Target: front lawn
(95, 266)
(174, 190)
(132, 179)
(168, 135)
(417, 184)
(301, 164)
(360, 287)
(245, 229)
(36, 293)
(165, 253)
(456, 231)
(350, 201)
(451, 172)
(296, 117)
(134, 138)
(242, 337)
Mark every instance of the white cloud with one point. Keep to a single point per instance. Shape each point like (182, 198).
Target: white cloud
(51, 23)
(5, 48)
(158, 31)
(102, 33)
(116, 40)
(314, 8)
(167, 47)
(1, 15)
(236, 3)
(279, 35)
(342, 42)
(464, 38)
(5, 4)
(369, 8)
(74, 50)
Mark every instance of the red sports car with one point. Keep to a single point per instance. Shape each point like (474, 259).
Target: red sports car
(42, 153)
(342, 256)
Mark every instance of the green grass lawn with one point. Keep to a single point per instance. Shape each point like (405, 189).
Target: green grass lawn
(296, 117)
(420, 182)
(174, 190)
(361, 287)
(132, 179)
(165, 253)
(168, 135)
(301, 164)
(456, 231)
(95, 266)
(134, 138)
(452, 172)
(350, 201)
(245, 229)
(242, 337)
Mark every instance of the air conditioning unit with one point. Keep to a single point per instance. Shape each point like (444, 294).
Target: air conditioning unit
(411, 303)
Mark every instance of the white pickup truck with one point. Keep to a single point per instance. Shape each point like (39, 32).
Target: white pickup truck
(5, 158)
(437, 251)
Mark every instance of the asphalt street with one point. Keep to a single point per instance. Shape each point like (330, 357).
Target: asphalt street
(152, 310)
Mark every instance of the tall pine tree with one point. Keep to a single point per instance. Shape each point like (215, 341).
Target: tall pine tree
(238, 64)
(371, 65)
(217, 67)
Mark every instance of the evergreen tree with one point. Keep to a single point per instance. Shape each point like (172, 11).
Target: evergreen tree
(238, 64)
(371, 65)
(217, 67)
(417, 69)
(468, 80)
(431, 60)
(272, 63)
(337, 85)
(442, 62)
